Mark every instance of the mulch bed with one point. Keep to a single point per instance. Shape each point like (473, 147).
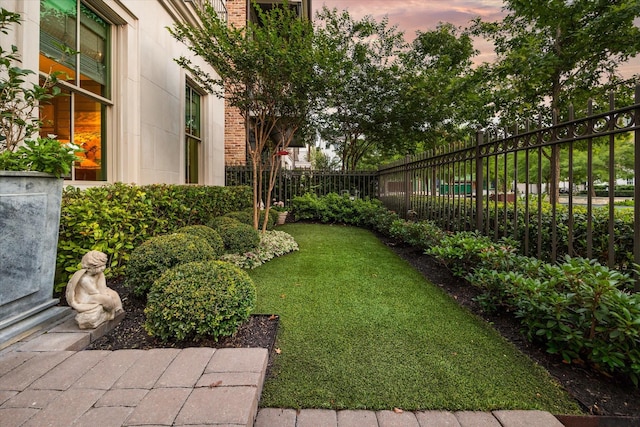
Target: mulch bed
(598, 394)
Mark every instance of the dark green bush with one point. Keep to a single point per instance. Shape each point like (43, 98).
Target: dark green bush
(577, 309)
(238, 237)
(421, 234)
(465, 251)
(334, 208)
(158, 254)
(442, 212)
(116, 218)
(209, 234)
(199, 300)
(246, 217)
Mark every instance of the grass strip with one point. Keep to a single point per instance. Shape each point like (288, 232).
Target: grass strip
(361, 329)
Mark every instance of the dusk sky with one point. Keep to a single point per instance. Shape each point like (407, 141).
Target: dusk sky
(424, 15)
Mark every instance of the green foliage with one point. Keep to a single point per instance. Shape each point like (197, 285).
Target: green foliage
(221, 222)
(577, 309)
(272, 244)
(421, 234)
(158, 254)
(209, 234)
(553, 53)
(112, 219)
(246, 217)
(267, 69)
(441, 211)
(464, 251)
(332, 208)
(116, 218)
(238, 237)
(43, 155)
(179, 205)
(199, 300)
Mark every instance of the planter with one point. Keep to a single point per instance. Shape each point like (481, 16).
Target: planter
(29, 220)
(282, 217)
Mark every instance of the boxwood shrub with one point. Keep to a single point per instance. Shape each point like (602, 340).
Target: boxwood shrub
(238, 237)
(197, 300)
(158, 254)
(209, 234)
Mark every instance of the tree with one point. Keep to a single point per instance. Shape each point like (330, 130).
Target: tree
(363, 89)
(549, 52)
(444, 97)
(267, 70)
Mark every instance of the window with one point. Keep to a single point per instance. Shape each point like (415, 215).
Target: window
(78, 50)
(193, 135)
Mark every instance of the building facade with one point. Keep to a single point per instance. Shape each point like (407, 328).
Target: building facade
(235, 129)
(136, 113)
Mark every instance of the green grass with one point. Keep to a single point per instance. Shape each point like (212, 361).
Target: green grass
(361, 329)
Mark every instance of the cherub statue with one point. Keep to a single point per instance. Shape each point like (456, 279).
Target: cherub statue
(88, 294)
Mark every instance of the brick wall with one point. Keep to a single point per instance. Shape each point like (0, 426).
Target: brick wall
(235, 147)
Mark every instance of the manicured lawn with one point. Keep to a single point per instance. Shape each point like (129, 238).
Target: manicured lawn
(360, 328)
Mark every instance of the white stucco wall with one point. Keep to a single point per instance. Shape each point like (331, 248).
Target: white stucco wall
(145, 124)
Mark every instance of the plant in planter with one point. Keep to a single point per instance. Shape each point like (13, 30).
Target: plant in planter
(19, 103)
(278, 206)
(30, 196)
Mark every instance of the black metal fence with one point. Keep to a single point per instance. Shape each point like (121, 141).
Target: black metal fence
(535, 185)
(292, 183)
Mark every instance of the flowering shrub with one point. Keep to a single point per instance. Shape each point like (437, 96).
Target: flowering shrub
(272, 244)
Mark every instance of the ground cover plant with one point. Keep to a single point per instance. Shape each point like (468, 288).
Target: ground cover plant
(361, 329)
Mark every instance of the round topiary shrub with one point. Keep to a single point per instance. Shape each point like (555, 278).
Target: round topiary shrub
(158, 254)
(209, 234)
(238, 238)
(199, 300)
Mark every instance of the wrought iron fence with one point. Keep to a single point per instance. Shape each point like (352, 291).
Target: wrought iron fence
(292, 183)
(503, 185)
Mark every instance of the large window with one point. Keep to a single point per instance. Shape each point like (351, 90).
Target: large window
(78, 50)
(193, 134)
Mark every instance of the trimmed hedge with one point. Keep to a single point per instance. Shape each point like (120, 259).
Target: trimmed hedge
(118, 217)
(199, 300)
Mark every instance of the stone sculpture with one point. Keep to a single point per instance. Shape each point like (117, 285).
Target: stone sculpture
(88, 294)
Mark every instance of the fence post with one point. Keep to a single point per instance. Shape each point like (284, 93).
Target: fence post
(479, 181)
(636, 188)
(407, 188)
